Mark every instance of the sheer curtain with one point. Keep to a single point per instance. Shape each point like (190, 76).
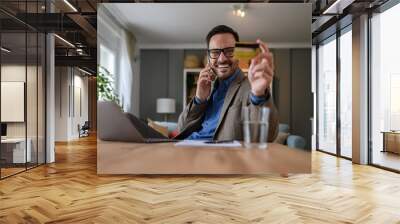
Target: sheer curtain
(117, 54)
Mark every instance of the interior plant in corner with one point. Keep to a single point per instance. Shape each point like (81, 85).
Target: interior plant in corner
(105, 85)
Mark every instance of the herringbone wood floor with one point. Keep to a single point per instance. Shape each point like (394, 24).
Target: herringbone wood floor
(69, 191)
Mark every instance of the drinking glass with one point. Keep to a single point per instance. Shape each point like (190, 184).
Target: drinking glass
(255, 128)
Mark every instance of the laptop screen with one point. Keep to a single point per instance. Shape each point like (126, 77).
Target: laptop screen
(143, 128)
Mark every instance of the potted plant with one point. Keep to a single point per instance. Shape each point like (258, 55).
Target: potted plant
(105, 85)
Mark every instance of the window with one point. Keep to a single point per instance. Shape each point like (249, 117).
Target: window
(385, 84)
(327, 96)
(334, 63)
(107, 59)
(22, 77)
(394, 102)
(346, 93)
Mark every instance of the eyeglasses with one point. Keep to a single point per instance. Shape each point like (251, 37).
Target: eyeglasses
(216, 52)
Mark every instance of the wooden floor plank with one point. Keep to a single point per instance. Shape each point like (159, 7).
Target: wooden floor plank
(69, 191)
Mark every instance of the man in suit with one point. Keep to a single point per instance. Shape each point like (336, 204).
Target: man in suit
(216, 113)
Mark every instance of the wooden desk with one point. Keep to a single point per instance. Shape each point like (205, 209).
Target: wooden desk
(165, 158)
(391, 141)
(13, 150)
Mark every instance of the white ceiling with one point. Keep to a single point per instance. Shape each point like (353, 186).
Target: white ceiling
(186, 25)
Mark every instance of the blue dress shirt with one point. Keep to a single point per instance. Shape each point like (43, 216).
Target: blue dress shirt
(214, 108)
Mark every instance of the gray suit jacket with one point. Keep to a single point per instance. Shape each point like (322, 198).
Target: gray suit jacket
(230, 121)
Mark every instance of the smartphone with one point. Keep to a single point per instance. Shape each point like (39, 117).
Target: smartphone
(214, 77)
(249, 45)
(212, 70)
(218, 141)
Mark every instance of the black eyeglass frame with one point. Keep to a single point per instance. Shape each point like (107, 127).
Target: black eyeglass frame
(221, 50)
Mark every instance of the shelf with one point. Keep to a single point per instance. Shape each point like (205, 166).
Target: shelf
(186, 70)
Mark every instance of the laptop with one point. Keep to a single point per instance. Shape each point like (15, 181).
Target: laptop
(115, 125)
(149, 134)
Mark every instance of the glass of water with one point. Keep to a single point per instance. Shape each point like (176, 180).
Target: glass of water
(255, 128)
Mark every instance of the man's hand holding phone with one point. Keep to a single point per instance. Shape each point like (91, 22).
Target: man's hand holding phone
(204, 82)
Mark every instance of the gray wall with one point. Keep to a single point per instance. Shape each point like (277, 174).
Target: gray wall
(162, 76)
(301, 98)
(294, 100)
(282, 74)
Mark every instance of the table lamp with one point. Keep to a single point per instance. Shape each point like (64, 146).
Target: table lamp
(166, 106)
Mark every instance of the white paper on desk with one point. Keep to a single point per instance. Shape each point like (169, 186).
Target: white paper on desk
(202, 143)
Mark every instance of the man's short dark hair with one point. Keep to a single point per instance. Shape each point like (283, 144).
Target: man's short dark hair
(221, 29)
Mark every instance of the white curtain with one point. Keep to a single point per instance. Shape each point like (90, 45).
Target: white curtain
(121, 44)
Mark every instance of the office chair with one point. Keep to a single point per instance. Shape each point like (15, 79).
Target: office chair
(84, 130)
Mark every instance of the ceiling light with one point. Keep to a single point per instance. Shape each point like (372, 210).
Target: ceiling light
(70, 5)
(64, 40)
(5, 50)
(239, 10)
(84, 71)
(337, 7)
(80, 51)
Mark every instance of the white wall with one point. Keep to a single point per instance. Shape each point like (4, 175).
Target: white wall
(12, 73)
(70, 84)
(79, 117)
(62, 82)
(33, 126)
